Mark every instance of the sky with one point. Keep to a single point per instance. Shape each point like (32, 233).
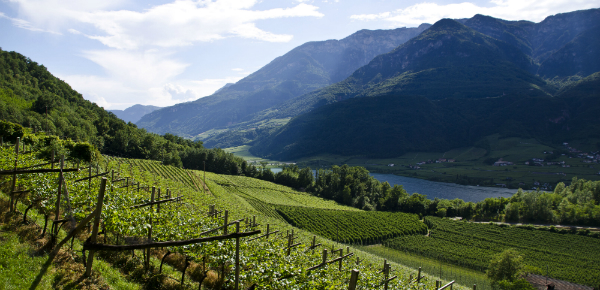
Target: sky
(118, 53)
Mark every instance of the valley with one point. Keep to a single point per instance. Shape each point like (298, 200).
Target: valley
(182, 197)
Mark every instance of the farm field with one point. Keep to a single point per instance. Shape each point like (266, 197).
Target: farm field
(135, 181)
(470, 167)
(568, 256)
(463, 276)
(353, 227)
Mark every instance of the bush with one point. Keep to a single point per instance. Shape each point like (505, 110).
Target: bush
(85, 151)
(10, 131)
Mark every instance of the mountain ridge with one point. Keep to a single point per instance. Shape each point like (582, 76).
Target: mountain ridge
(305, 68)
(134, 113)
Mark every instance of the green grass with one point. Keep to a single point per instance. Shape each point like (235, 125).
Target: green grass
(18, 266)
(113, 277)
(463, 276)
(242, 151)
(470, 167)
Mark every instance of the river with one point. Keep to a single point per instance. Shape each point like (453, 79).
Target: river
(443, 190)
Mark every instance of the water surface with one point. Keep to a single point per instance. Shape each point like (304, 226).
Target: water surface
(443, 190)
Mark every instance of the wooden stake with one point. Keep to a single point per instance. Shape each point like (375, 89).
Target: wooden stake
(267, 231)
(150, 229)
(90, 177)
(112, 178)
(99, 202)
(14, 179)
(353, 279)
(419, 276)
(237, 256)
(158, 205)
(225, 222)
(340, 263)
(60, 179)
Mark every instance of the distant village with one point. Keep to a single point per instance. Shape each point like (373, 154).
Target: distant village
(587, 157)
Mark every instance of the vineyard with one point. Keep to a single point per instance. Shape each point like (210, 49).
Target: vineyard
(353, 227)
(137, 205)
(565, 256)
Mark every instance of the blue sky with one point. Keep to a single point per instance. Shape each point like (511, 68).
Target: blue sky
(118, 53)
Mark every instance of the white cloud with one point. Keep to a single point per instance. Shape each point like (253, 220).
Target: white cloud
(112, 93)
(427, 12)
(237, 69)
(139, 69)
(140, 46)
(24, 24)
(179, 23)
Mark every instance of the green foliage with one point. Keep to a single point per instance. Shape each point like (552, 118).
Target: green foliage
(393, 124)
(507, 265)
(10, 131)
(353, 227)
(85, 152)
(264, 262)
(518, 284)
(474, 245)
(31, 96)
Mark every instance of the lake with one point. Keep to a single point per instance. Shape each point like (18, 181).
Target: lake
(444, 190)
(435, 189)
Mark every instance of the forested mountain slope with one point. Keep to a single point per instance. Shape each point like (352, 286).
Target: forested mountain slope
(393, 124)
(32, 97)
(553, 53)
(308, 67)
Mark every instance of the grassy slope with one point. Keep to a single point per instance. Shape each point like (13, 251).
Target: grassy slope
(233, 192)
(469, 162)
(19, 265)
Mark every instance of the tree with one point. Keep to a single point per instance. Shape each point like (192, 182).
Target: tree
(505, 266)
(505, 269)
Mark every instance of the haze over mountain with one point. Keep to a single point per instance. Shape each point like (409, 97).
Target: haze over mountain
(310, 66)
(516, 69)
(451, 64)
(415, 98)
(134, 113)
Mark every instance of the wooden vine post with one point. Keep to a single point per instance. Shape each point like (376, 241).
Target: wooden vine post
(386, 272)
(353, 279)
(99, 202)
(158, 205)
(14, 179)
(237, 256)
(58, 194)
(90, 177)
(147, 262)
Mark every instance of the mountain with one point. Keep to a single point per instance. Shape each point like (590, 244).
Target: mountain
(134, 113)
(560, 49)
(32, 97)
(308, 67)
(449, 60)
(580, 56)
(391, 125)
(449, 87)
(538, 40)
